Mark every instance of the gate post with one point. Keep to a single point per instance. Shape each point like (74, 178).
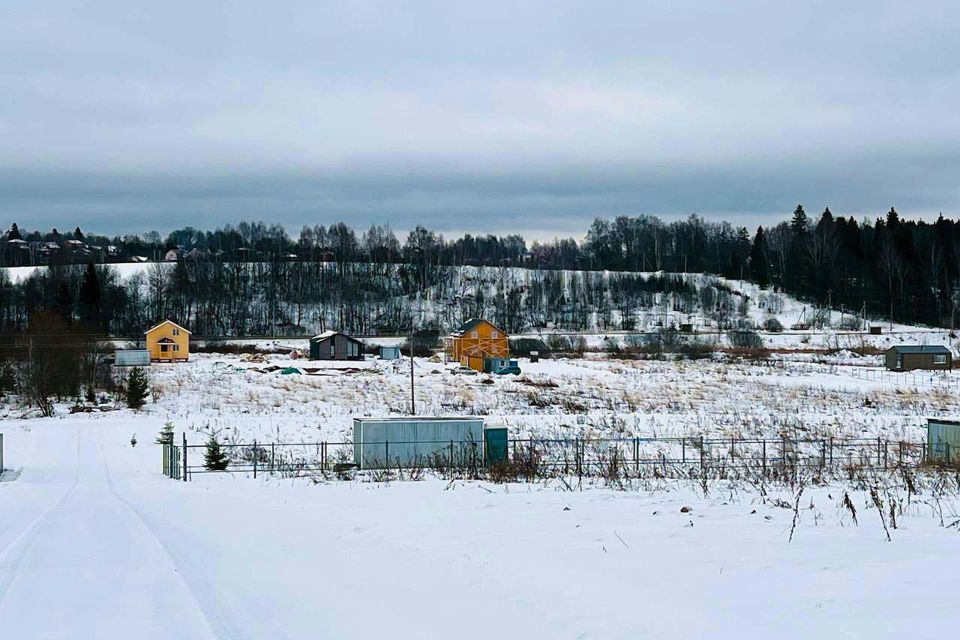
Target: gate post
(184, 456)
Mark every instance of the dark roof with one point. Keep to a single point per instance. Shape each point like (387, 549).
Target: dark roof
(925, 348)
(470, 324)
(329, 334)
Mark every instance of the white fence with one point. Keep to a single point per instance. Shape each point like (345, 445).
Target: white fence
(917, 379)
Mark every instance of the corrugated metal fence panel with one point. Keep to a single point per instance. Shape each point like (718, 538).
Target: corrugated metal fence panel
(379, 443)
(132, 358)
(943, 439)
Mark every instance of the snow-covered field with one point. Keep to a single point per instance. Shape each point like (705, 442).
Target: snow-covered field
(96, 543)
(799, 394)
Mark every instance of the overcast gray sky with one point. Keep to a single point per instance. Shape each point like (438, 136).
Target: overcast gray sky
(473, 116)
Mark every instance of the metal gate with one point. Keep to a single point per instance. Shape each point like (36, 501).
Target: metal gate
(171, 461)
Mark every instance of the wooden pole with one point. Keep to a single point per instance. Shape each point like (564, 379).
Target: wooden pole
(413, 400)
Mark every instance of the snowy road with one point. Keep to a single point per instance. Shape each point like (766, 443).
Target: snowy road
(87, 566)
(95, 543)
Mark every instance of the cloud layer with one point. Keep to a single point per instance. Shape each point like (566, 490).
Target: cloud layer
(473, 117)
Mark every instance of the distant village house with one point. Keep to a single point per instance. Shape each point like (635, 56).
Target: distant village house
(168, 342)
(477, 343)
(333, 345)
(911, 357)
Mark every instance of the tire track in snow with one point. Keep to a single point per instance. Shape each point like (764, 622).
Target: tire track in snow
(196, 585)
(11, 558)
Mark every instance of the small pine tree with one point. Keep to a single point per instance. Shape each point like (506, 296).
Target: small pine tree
(214, 459)
(136, 388)
(166, 434)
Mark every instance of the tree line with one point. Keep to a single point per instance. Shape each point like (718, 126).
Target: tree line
(254, 279)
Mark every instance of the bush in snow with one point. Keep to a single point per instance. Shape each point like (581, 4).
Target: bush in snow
(772, 324)
(523, 346)
(745, 340)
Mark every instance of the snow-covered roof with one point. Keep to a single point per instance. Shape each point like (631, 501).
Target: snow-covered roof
(921, 348)
(330, 333)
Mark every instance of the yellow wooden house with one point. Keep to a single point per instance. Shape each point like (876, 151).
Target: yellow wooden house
(476, 342)
(168, 342)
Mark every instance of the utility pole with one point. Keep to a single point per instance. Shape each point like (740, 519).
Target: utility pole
(413, 400)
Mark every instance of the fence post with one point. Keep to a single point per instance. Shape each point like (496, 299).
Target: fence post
(879, 452)
(702, 453)
(885, 456)
(831, 451)
(256, 454)
(636, 454)
(576, 455)
(273, 455)
(386, 453)
(184, 456)
(764, 443)
(683, 450)
(323, 456)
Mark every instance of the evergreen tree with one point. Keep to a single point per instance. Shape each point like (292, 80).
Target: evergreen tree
(214, 459)
(759, 265)
(14, 233)
(77, 234)
(89, 297)
(893, 219)
(740, 253)
(166, 434)
(136, 388)
(799, 223)
(63, 303)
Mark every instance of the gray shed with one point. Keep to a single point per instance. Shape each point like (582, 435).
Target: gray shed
(910, 357)
(943, 439)
(402, 442)
(389, 353)
(333, 345)
(131, 358)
